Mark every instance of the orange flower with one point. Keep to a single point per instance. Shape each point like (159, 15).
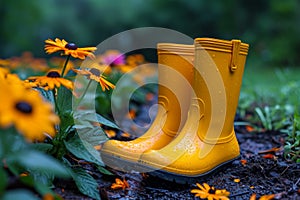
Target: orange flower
(210, 192)
(95, 63)
(249, 128)
(14, 79)
(267, 197)
(3, 72)
(52, 80)
(4, 62)
(26, 60)
(244, 162)
(264, 197)
(49, 196)
(135, 60)
(125, 134)
(253, 197)
(119, 184)
(96, 75)
(150, 96)
(269, 156)
(236, 180)
(68, 49)
(27, 111)
(110, 133)
(98, 147)
(131, 114)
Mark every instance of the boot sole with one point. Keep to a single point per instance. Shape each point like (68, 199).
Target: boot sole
(186, 179)
(127, 166)
(120, 164)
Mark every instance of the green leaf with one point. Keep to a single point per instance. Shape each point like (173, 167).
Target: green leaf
(42, 177)
(27, 180)
(3, 180)
(104, 171)
(261, 117)
(83, 150)
(88, 132)
(92, 116)
(106, 122)
(11, 141)
(86, 183)
(93, 135)
(37, 161)
(20, 194)
(41, 187)
(64, 99)
(67, 121)
(44, 147)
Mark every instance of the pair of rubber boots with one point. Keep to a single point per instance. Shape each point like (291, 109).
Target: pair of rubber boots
(193, 132)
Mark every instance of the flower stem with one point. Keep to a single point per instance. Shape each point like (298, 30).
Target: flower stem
(65, 66)
(55, 102)
(85, 91)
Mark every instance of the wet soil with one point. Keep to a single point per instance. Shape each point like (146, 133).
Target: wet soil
(261, 174)
(257, 171)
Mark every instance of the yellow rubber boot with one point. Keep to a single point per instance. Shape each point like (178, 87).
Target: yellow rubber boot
(175, 63)
(207, 140)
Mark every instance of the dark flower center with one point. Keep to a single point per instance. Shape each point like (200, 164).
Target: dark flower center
(53, 74)
(71, 46)
(24, 107)
(212, 191)
(96, 72)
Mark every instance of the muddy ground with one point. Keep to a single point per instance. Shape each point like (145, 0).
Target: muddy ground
(261, 174)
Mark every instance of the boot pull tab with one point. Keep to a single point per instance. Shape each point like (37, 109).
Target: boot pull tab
(235, 53)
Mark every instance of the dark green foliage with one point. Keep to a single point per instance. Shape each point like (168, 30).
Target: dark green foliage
(270, 27)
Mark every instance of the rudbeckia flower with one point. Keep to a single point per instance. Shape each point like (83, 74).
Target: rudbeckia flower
(210, 193)
(135, 60)
(132, 61)
(27, 111)
(3, 72)
(96, 75)
(4, 62)
(25, 61)
(95, 63)
(68, 49)
(52, 80)
(14, 79)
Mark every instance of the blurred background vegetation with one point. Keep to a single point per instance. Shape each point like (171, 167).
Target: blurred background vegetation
(272, 28)
(270, 92)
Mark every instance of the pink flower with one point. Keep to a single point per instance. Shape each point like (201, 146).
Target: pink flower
(113, 57)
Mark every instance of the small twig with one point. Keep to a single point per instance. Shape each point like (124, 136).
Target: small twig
(284, 170)
(272, 150)
(78, 160)
(295, 185)
(297, 182)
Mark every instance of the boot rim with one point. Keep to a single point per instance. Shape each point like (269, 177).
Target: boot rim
(220, 45)
(174, 48)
